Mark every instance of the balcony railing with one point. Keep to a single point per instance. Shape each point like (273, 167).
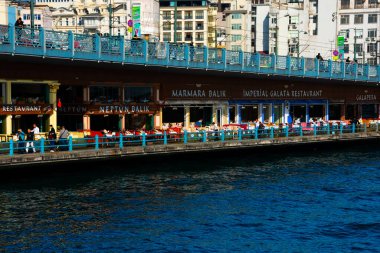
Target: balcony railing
(53, 44)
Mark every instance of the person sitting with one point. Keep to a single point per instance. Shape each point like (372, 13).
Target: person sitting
(319, 57)
(199, 123)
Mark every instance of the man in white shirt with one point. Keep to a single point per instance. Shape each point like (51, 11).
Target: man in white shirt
(35, 130)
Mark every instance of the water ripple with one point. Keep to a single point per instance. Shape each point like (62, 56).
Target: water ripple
(327, 202)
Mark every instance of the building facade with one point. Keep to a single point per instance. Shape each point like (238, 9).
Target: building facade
(359, 22)
(188, 22)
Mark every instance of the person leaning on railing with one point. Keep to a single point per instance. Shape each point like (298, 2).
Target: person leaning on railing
(19, 25)
(63, 139)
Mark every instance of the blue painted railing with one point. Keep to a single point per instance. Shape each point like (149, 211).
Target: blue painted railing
(72, 144)
(45, 43)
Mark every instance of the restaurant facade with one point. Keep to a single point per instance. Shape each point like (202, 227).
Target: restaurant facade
(97, 96)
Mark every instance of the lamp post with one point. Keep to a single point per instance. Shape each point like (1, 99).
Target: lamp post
(298, 42)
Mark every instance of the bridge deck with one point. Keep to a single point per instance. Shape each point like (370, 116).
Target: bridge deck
(53, 44)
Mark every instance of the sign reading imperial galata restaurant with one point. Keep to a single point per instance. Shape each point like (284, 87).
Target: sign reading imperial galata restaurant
(285, 93)
(25, 109)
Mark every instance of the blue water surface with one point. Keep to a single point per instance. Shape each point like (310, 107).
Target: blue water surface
(316, 202)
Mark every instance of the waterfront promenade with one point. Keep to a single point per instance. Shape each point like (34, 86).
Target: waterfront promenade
(99, 148)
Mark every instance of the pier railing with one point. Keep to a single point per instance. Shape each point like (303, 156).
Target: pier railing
(54, 44)
(124, 141)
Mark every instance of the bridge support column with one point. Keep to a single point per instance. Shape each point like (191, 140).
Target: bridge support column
(224, 114)
(286, 112)
(261, 114)
(7, 98)
(86, 122)
(237, 114)
(158, 119)
(121, 121)
(53, 88)
(214, 114)
(343, 112)
(187, 117)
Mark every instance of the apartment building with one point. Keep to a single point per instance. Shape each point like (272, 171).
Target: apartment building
(238, 26)
(129, 18)
(187, 22)
(359, 23)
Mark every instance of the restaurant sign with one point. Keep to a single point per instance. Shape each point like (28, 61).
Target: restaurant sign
(25, 109)
(198, 93)
(109, 109)
(285, 93)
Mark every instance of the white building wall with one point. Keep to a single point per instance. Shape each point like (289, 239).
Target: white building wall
(262, 28)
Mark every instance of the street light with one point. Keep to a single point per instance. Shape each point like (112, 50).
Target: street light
(298, 42)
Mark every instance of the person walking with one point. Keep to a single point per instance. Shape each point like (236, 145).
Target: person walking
(52, 136)
(21, 141)
(30, 141)
(63, 135)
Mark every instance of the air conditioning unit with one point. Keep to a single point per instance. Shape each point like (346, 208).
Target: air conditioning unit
(373, 39)
(294, 27)
(367, 39)
(346, 40)
(373, 53)
(360, 53)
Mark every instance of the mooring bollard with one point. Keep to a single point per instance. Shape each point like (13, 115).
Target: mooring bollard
(42, 145)
(185, 137)
(11, 147)
(143, 139)
(96, 142)
(165, 138)
(120, 141)
(70, 143)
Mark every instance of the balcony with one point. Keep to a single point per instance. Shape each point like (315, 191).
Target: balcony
(188, 28)
(359, 6)
(199, 39)
(189, 17)
(345, 6)
(199, 17)
(188, 39)
(200, 27)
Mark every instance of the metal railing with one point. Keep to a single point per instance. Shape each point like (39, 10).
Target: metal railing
(167, 138)
(45, 43)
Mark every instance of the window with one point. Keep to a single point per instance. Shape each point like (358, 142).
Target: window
(166, 15)
(371, 48)
(344, 19)
(358, 48)
(345, 4)
(359, 4)
(346, 48)
(345, 33)
(235, 38)
(167, 36)
(372, 33)
(359, 33)
(67, 22)
(372, 3)
(372, 18)
(199, 15)
(235, 48)
(358, 19)
(138, 94)
(236, 26)
(104, 94)
(294, 19)
(236, 16)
